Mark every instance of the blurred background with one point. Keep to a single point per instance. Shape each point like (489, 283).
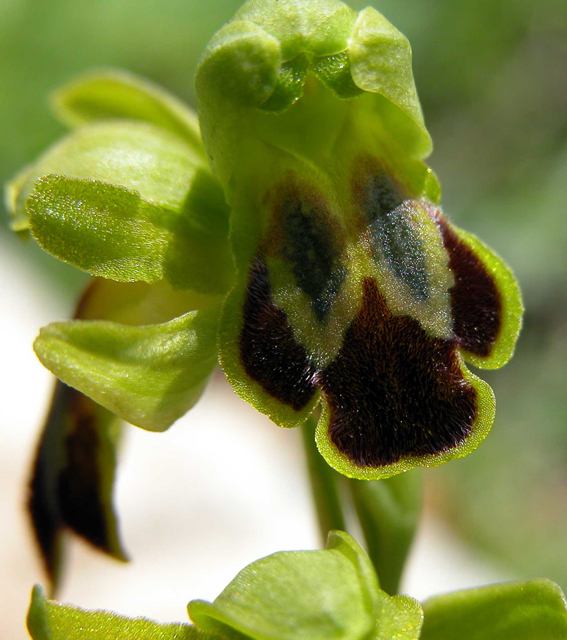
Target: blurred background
(224, 486)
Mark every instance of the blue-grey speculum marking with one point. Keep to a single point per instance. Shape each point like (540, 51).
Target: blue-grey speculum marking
(394, 238)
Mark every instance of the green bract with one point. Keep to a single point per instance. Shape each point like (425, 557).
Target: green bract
(327, 279)
(331, 594)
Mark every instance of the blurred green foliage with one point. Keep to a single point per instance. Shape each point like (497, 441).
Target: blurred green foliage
(492, 77)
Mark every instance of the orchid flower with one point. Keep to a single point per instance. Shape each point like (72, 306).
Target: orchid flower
(292, 233)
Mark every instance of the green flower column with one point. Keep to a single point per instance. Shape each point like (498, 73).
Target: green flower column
(353, 290)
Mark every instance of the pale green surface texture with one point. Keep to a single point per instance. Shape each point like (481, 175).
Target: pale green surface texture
(310, 595)
(48, 620)
(113, 94)
(380, 58)
(149, 376)
(135, 155)
(110, 231)
(534, 610)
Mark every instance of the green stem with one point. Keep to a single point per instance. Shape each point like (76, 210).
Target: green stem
(388, 511)
(323, 484)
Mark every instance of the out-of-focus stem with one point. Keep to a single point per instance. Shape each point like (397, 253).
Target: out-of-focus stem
(323, 484)
(388, 511)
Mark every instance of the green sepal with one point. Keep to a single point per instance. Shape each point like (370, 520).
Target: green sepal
(18, 217)
(380, 62)
(150, 375)
(239, 69)
(260, 61)
(49, 620)
(114, 94)
(320, 27)
(388, 512)
(533, 610)
(311, 595)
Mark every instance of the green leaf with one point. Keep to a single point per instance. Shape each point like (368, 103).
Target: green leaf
(388, 511)
(110, 94)
(149, 375)
(311, 595)
(296, 595)
(533, 610)
(400, 618)
(49, 620)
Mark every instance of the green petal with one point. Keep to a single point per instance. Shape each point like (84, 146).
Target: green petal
(296, 595)
(49, 620)
(380, 58)
(112, 94)
(125, 171)
(149, 375)
(534, 610)
(134, 155)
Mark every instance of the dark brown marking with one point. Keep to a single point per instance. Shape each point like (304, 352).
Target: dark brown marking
(66, 488)
(268, 351)
(79, 485)
(305, 233)
(393, 391)
(42, 501)
(476, 304)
